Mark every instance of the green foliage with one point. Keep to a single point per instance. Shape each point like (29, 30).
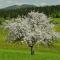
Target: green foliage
(53, 11)
(1, 20)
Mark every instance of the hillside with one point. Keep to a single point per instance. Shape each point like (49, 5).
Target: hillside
(15, 10)
(19, 6)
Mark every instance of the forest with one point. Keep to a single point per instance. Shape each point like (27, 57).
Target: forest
(51, 11)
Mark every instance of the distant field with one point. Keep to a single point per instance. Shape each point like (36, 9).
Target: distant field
(57, 24)
(57, 28)
(56, 20)
(22, 52)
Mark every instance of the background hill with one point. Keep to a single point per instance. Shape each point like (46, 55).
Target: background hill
(19, 6)
(15, 10)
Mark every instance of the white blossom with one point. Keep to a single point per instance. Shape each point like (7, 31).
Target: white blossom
(33, 28)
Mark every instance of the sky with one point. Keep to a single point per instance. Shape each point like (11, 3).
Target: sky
(6, 3)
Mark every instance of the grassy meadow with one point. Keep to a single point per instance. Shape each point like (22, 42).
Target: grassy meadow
(20, 51)
(56, 20)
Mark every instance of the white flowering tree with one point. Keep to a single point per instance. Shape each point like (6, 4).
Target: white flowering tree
(36, 27)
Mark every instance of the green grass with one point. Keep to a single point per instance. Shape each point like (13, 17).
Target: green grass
(12, 51)
(24, 55)
(57, 28)
(56, 21)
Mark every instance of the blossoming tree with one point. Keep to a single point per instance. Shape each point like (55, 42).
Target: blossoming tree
(36, 27)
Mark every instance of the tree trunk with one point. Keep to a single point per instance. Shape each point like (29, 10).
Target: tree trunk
(32, 50)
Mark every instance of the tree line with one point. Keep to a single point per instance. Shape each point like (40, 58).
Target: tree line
(52, 11)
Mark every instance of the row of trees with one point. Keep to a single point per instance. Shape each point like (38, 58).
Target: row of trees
(53, 11)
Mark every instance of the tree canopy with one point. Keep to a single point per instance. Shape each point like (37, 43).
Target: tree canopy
(36, 27)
